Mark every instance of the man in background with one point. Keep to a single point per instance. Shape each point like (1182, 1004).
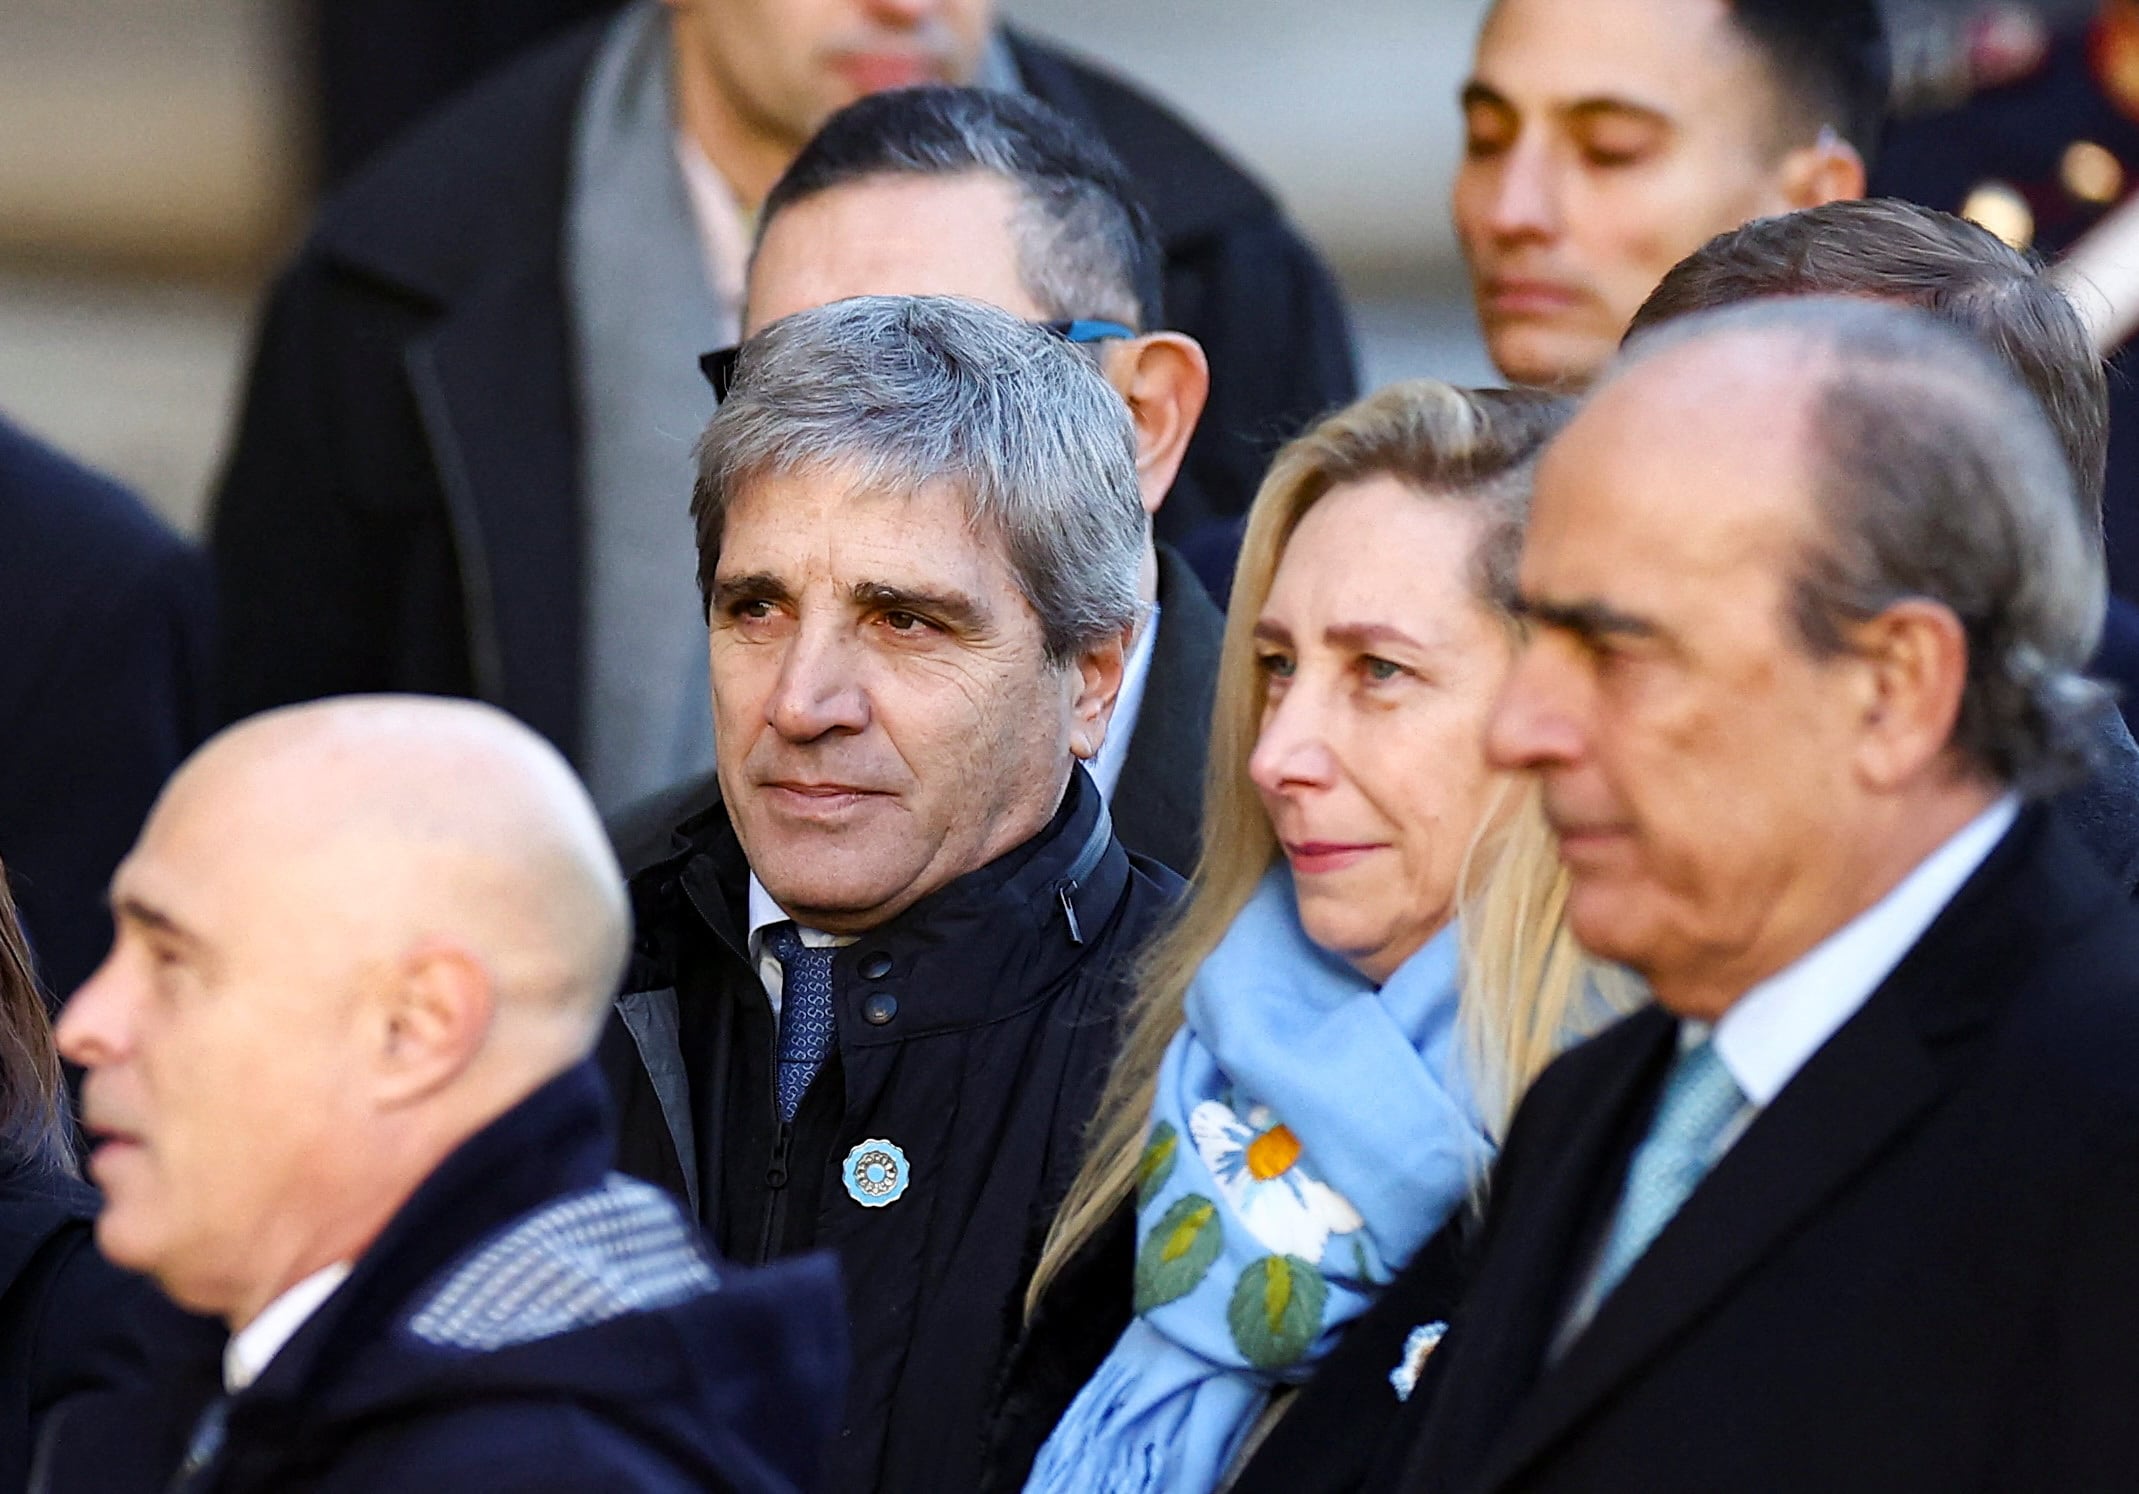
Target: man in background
(339, 1089)
(465, 449)
(104, 688)
(1605, 140)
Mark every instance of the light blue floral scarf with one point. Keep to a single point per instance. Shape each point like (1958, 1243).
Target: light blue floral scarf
(1311, 1132)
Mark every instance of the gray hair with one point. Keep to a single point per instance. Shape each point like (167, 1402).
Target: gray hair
(894, 392)
(1938, 477)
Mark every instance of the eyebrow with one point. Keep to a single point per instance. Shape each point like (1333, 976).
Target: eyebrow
(954, 609)
(757, 586)
(1478, 94)
(133, 910)
(1590, 620)
(1365, 636)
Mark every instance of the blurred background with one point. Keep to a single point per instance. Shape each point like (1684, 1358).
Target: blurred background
(157, 158)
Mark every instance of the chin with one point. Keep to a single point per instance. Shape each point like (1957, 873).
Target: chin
(1526, 353)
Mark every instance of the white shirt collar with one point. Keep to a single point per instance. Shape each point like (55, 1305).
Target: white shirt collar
(1772, 1030)
(1106, 767)
(724, 229)
(251, 1349)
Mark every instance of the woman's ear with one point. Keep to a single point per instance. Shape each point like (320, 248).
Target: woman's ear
(1164, 378)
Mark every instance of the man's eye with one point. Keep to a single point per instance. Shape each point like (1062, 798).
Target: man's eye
(905, 622)
(750, 611)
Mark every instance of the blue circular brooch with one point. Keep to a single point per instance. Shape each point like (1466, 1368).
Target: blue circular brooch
(875, 1173)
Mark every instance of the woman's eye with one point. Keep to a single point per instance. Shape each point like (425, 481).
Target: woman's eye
(1277, 666)
(1379, 670)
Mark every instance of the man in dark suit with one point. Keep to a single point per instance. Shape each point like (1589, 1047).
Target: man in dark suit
(103, 689)
(985, 194)
(1850, 1208)
(465, 452)
(339, 1082)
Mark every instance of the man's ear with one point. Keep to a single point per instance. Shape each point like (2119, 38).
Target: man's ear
(1165, 379)
(1098, 684)
(1915, 655)
(432, 1017)
(1828, 170)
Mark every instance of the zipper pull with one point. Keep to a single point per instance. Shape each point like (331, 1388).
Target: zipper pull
(1067, 892)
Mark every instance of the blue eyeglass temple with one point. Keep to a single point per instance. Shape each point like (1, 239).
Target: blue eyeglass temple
(719, 365)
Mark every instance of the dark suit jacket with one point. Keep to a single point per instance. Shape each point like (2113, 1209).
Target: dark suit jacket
(401, 507)
(1157, 805)
(1913, 1270)
(104, 658)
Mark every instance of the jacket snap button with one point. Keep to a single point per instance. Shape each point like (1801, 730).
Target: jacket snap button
(880, 1008)
(875, 966)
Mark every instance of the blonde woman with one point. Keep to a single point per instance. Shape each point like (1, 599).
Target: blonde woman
(1369, 970)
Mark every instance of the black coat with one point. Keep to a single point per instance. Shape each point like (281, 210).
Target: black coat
(74, 1330)
(974, 1031)
(526, 1322)
(1913, 1270)
(400, 509)
(103, 689)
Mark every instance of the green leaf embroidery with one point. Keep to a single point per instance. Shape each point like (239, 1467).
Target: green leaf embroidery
(1178, 1252)
(1276, 1311)
(1157, 1164)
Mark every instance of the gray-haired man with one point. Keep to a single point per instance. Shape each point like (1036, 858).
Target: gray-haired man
(875, 987)
(1852, 1206)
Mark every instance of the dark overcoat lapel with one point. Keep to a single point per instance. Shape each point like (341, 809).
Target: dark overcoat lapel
(1855, 1099)
(1158, 805)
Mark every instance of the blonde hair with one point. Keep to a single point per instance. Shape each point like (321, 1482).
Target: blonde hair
(1525, 982)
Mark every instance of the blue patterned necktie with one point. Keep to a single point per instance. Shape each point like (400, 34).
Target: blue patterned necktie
(1698, 1105)
(806, 1023)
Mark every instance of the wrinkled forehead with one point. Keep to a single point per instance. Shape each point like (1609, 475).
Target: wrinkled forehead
(1684, 60)
(857, 515)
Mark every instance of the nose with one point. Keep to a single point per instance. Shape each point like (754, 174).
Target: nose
(1522, 193)
(901, 13)
(95, 1029)
(1293, 750)
(1536, 723)
(820, 689)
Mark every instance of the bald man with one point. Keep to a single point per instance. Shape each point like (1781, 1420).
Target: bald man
(339, 1093)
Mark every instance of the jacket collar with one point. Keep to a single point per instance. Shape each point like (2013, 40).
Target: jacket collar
(1872, 1080)
(558, 1140)
(1158, 805)
(1015, 925)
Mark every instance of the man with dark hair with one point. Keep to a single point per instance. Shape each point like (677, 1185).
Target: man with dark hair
(974, 192)
(1967, 277)
(878, 981)
(465, 444)
(1850, 1207)
(1607, 139)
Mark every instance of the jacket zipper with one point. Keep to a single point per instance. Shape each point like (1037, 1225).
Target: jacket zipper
(1067, 892)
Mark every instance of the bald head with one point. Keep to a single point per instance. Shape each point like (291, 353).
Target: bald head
(351, 935)
(413, 820)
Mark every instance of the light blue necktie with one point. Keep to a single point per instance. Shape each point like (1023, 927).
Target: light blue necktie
(1699, 1103)
(807, 1025)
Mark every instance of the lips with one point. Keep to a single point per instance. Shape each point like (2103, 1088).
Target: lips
(809, 799)
(877, 72)
(1523, 296)
(1319, 857)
